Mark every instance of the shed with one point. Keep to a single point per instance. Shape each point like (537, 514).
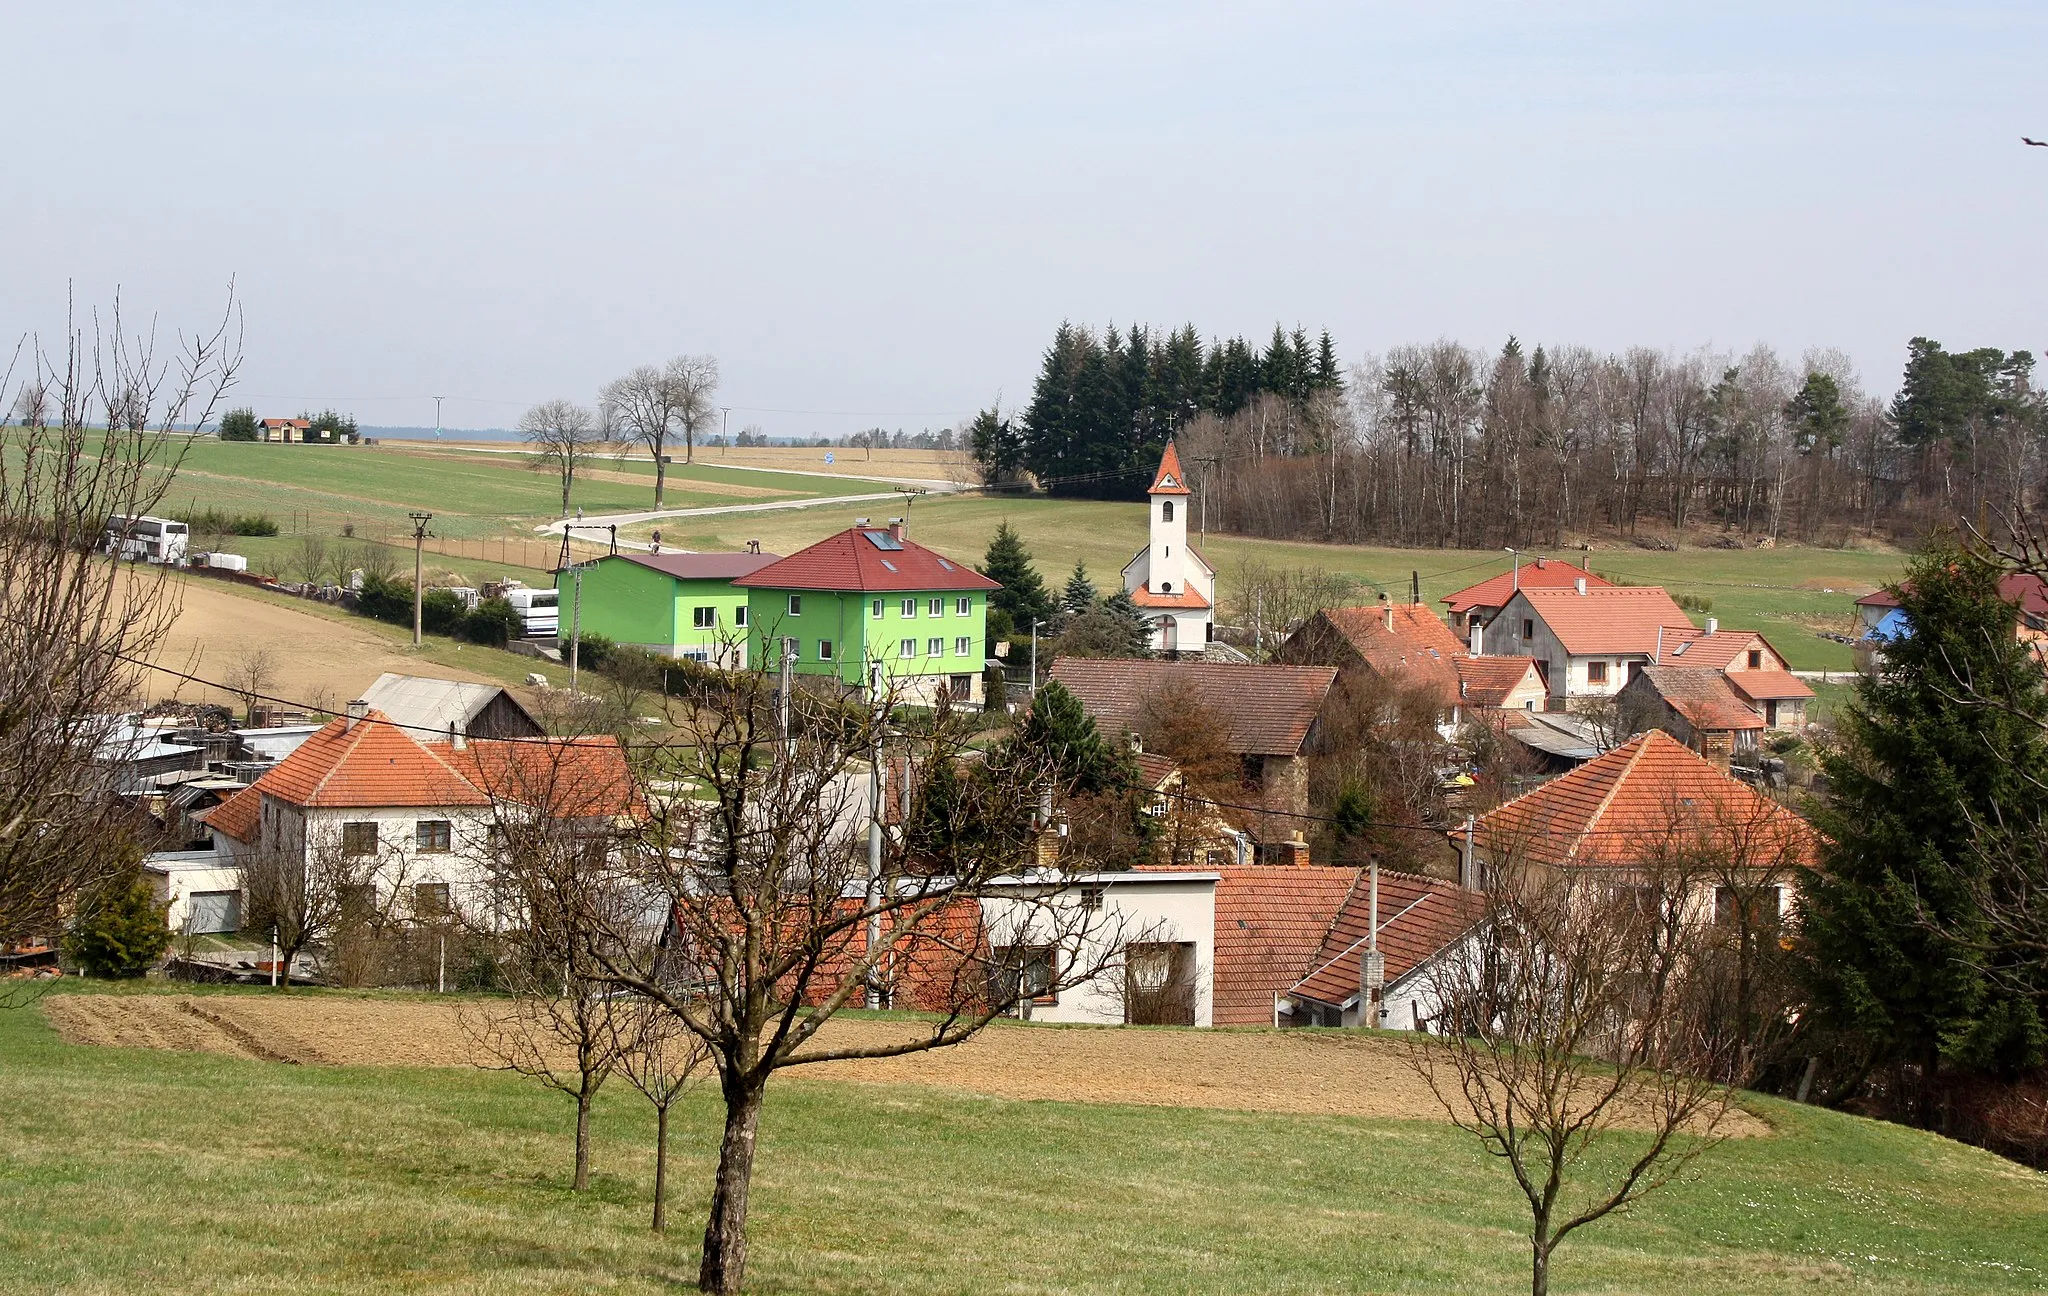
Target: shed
(437, 710)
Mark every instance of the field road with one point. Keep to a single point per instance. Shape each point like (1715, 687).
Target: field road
(933, 484)
(599, 521)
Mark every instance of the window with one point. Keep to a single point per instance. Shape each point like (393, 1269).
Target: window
(935, 647)
(1166, 510)
(1022, 973)
(358, 839)
(704, 618)
(796, 605)
(430, 900)
(435, 835)
(739, 616)
(1756, 658)
(1091, 899)
(935, 607)
(878, 609)
(963, 607)
(963, 645)
(1596, 672)
(910, 607)
(907, 648)
(1528, 628)
(824, 650)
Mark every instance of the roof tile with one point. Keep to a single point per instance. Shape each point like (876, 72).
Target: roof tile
(854, 560)
(1543, 573)
(1269, 709)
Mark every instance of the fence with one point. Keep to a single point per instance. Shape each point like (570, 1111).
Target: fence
(537, 554)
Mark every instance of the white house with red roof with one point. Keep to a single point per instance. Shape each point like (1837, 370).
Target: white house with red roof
(1587, 639)
(1174, 586)
(1476, 605)
(871, 598)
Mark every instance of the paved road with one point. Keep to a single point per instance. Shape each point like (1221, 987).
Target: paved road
(598, 521)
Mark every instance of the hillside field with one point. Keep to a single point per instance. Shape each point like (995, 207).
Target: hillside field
(125, 1168)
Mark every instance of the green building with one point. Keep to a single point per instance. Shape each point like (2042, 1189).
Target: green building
(682, 605)
(869, 596)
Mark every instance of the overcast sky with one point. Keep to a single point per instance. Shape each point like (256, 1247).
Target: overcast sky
(877, 213)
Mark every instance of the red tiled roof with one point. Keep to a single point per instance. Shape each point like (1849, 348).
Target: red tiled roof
(370, 763)
(1419, 916)
(1613, 619)
(1769, 685)
(1170, 480)
(287, 423)
(1184, 598)
(1542, 573)
(1154, 771)
(1270, 921)
(240, 816)
(1652, 790)
(1269, 709)
(1418, 645)
(1704, 697)
(2024, 588)
(854, 561)
(703, 566)
(565, 778)
(1487, 681)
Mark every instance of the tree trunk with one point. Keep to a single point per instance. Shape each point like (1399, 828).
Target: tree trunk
(661, 1168)
(725, 1233)
(583, 1138)
(1539, 1265)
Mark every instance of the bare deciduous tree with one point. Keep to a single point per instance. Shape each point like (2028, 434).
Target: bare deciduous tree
(648, 405)
(564, 436)
(658, 1056)
(307, 892)
(694, 380)
(73, 621)
(309, 558)
(250, 673)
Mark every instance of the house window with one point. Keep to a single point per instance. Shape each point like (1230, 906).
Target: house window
(1091, 899)
(1023, 972)
(358, 839)
(878, 609)
(935, 607)
(435, 835)
(1596, 672)
(796, 605)
(1528, 628)
(910, 607)
(824, 650)
(1166, 510)
(907, 648)
(963, 646)
(1756, 658)
(935, 647)
(430, 900)
(963, 607)
(739, 616)
(704, 618)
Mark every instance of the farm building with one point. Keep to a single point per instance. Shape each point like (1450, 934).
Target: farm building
(441, 710)
(1700, 708)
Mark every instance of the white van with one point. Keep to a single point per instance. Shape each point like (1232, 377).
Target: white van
(540, 611)
(147, 539)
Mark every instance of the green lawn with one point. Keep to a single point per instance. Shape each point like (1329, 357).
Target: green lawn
(1788, 593)
(128, 1170)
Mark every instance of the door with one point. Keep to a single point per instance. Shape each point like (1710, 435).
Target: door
(213, 911)
(1159, 984)
(1169, 629)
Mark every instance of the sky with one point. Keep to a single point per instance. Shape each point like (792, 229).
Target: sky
(877, 214)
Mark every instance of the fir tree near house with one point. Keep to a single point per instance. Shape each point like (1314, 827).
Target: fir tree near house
(1080, 595)
(1023, 597)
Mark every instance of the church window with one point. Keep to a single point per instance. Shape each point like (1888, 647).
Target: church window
(1166, 510)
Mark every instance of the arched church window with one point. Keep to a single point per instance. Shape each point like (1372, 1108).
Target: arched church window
(1166, 510)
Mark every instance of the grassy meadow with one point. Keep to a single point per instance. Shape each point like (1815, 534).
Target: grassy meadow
(124, 1170)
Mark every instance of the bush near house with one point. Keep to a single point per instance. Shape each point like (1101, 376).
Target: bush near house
(120, 930)
(491, 623)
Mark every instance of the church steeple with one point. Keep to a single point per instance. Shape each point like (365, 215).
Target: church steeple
(1171, 480)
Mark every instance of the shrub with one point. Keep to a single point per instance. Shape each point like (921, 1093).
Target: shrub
(492, 623)
(120, 930)
(592, 651)
(238, 425)
(1694, 602)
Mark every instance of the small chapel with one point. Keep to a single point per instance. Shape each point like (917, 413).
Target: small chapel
(1172, 584)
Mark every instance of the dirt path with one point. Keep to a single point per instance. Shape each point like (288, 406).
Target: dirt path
(1309, 1074)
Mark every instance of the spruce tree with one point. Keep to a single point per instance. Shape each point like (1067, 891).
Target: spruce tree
(1897, 943)
(1080, 595)
(1059, 730)
(120, 929)
(1022, 598)
(1132, 623)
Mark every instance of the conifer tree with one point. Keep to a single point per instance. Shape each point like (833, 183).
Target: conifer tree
(120, 930)
(1023, 597)
(1062, 732)
(1897, 942)
(1080, 595)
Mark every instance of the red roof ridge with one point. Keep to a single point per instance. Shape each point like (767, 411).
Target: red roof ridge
(1641, 745)
(1169, 480)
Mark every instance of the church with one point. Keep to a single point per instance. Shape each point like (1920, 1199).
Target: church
(1174, 586)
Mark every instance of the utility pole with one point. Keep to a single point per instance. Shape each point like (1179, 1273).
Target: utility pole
(878, 778)
(1515, 557)
(1034, 658)
(419, 544)
(724, 445)
(909, 494)
(437, 416)
(1372, 971)
(576, 571)
(782, 694)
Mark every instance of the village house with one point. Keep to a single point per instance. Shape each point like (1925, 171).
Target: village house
(1755, 669)
(284, 429)
(1476, 606)
(1405, 641)
(1700, 708)
(1586, 639)
(1269, 715)
(1882, 618)
(1421, 921)
(867, 598)
(1648, 810)
(1172, 584)
(677, 605)
(442, 710)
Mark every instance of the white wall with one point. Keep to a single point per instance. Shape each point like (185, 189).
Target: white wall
(175, 885)
(1164, 907)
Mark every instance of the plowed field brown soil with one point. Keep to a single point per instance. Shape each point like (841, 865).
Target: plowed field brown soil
(1311, 1074)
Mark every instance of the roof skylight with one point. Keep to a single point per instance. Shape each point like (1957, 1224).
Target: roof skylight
(883, 540)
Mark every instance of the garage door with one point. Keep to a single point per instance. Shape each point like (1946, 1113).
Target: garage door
(214, 911)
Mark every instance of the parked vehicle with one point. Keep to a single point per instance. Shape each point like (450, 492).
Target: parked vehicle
(540, 612)
(147, 539)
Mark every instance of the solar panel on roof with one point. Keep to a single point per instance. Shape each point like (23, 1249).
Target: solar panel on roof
(882, 540)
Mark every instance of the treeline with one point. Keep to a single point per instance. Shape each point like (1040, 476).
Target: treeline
(1103, 407)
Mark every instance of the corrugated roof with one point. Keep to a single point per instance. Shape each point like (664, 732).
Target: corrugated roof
(1704, 697)
(1615, 619)
(1269, 709)
(1169, 480)
(1487, 681)
(854, 560)
(1419, 917)
(700, 566)
(1270, 921)
(1541, 573)
(1652, 790)
(425, 707)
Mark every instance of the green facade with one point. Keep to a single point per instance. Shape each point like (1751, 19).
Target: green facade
(858, 634)
(635, 605)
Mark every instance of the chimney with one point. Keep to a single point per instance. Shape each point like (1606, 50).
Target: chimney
(1295, 850)
(1137, 744)
(1713, 624)
(1539, 563)
(457, 739)
(896, 529)
(1579, 584)
(357, 710)
(1478, 638)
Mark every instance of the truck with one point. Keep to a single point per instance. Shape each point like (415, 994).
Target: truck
(540, 611)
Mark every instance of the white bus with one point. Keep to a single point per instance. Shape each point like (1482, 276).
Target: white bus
(540, 611)
(150, 539)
